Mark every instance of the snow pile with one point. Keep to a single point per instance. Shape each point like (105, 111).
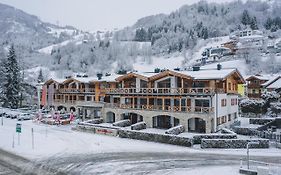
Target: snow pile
(122, 123)
(138, 126)
(175, 130)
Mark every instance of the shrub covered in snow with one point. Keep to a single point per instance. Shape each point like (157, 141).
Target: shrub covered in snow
(122, 123)
(138, 126)
(252, 106)
(275, 109)
(270, 96)
(175, 130)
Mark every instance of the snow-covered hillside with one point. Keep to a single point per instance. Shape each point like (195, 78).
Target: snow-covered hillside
(158, 62)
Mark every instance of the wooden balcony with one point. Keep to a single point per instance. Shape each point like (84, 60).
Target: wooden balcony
(74, 90)
(163, 91)
(186, 109)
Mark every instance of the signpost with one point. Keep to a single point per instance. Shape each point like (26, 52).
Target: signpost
(32, 136)
(18, 130)
(248, 155)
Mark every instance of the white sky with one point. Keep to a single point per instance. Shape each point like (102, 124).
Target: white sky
(97, 14)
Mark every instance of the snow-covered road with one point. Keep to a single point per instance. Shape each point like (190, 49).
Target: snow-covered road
(75, 152)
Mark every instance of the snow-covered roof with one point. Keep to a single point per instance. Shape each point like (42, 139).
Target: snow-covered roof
(260, 77)
(275, 85)
(209, 74)
(271, 80)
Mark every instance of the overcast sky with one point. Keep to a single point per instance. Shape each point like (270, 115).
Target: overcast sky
(97, 14)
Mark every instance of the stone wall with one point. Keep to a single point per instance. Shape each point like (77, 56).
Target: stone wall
(198, 138)
(162, 138)
(233, 143)
(244, 130)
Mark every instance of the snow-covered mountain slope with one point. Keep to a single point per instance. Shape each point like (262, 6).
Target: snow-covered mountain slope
(27, 30)
(158, 62)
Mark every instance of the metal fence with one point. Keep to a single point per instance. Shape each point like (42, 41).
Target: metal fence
(261, 167)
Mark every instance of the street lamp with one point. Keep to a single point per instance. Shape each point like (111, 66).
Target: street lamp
(39, 87)
(248, 156)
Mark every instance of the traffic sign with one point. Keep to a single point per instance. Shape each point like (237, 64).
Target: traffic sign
(18, 128)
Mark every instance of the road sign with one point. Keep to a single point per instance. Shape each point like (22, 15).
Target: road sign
(18, 128)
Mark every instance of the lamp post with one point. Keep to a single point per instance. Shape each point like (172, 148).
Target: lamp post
(248, 155)
(39, 87)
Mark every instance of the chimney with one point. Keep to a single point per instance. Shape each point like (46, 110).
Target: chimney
(196, 68)
(219, 66)
(99, 75)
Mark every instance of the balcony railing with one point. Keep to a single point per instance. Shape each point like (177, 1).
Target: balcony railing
(188, 109)
(163, 91)
(75, 90)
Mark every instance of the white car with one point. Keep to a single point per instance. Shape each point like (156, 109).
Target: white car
(24, 116)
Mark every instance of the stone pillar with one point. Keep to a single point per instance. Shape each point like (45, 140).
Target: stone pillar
(172, 121)
(172, 101)
(208, 126)
(138, 103)
(173, 82)
(192, 104)
(192, 123)
(138, 82)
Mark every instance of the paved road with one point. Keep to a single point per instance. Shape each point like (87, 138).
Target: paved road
(143, 163)
(118, 163)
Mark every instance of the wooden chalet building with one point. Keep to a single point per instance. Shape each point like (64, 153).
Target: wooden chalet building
(202, 101)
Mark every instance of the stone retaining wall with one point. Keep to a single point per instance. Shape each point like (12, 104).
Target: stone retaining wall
(233, 143)
(162, 138)
(197, 138)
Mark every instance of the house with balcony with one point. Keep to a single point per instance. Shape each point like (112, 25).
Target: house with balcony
(258, 84)
(201, 100)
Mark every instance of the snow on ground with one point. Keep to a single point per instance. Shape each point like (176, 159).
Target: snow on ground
(61, 140)
(158, 62)
(206, 170)
(48, 50)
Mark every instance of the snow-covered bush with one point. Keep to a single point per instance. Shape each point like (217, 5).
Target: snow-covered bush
(122, 123)
(275, 109)
(138, 126)
(175, 130)
(252, 106)
(270, 97)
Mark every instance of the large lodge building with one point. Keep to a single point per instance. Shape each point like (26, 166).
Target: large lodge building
(201, 100)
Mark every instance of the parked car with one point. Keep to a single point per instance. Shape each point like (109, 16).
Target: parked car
(25, 116)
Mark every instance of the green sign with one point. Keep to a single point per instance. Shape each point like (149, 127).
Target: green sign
(18, 128)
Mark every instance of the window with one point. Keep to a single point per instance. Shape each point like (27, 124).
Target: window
(229, 86)
(229, 117)
(89, 98)
(234, 101)
(218, 121)
(223, 102)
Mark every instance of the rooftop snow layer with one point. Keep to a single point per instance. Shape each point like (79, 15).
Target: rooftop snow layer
(206, 74)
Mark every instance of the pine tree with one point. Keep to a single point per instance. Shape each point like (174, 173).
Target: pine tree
(268, 24)
(254, 24)
(11, 85)
(40, 77)
(246, 19)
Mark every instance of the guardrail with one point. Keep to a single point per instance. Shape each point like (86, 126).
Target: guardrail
(202, 110)
(75, 90)
(163, 91)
